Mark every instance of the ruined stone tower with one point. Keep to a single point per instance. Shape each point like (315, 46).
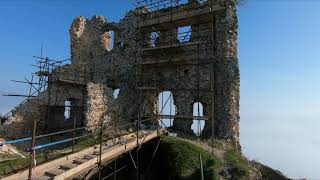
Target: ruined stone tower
(187, 48)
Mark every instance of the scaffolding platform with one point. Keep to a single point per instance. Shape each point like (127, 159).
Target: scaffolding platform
(184, 117)
(172, 46)
(66, 81)
(192, 16)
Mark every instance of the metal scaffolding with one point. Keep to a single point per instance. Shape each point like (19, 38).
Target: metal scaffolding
(163, 54)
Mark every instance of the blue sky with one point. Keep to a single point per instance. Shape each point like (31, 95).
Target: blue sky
(280, 73)
(279, 59)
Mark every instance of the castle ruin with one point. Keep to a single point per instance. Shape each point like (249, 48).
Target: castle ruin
(187, 48)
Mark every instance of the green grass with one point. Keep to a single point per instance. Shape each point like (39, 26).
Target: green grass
(240, 166)
(218, 144)
(86, 142)
(184, 162)
(14, 165)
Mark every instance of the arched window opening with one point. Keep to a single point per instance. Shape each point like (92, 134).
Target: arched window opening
(166, 109)
(67, 110)
(115, 93)
(184, 34)
(108, 40)
(198, 124)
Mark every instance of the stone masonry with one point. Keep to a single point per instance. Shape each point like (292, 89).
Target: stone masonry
(200, 69)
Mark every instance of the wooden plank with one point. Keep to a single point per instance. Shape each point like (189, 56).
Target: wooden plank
(177, 61)
(40, 171)
(184, 117)
(55, 172)
(89, 156)
(173, 46)
(147, 88)
(50, 165)
(68, 166)
(79, 161)
(178, 16)
(168, 116)
(108, 155)
(66, 81)
(42, 73)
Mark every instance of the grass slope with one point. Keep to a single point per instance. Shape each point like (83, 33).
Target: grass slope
(184, 161)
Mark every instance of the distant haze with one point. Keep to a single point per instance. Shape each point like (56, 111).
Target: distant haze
(280, 89)
(279, 59)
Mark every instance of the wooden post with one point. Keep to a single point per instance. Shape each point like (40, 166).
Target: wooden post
(115, 169)
(74, 133)
(212, 81)
(32, 158)
(100, 150)
(138, 129)
(201, 167)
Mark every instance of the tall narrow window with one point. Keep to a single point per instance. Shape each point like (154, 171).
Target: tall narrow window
(166, 109)
(67, 110)
(184, 33)
(116, 93)
(198, 124)
(154, 39)
(108, 40)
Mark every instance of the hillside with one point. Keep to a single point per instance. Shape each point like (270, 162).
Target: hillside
(179, 159)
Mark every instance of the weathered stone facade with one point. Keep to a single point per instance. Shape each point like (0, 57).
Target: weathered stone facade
(98, 104)
(202, 69)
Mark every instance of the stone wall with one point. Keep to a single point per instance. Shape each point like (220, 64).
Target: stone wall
(203, 69)
(48, 107)
(116, 67)
(98, 103)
